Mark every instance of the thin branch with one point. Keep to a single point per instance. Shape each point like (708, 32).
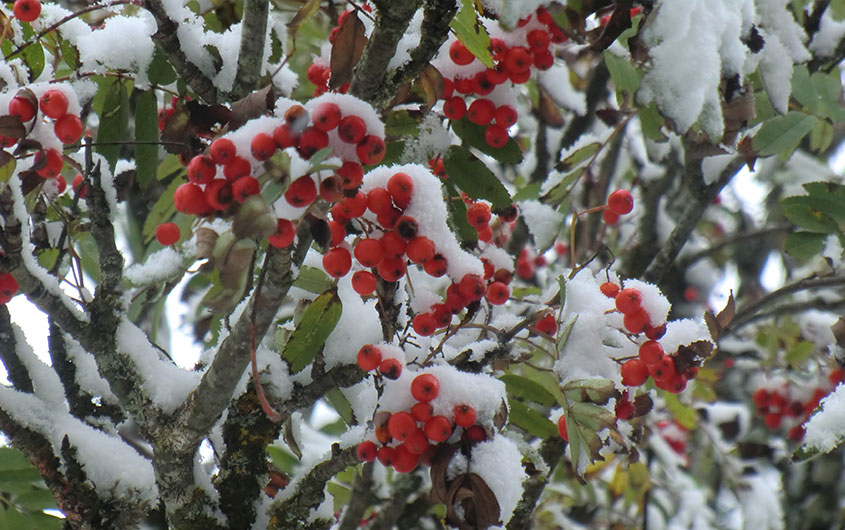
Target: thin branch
(697, 198)
(390, 514)
(749, 313)
(551, 451)
(15, 369)
(251, 53)
(360, 500)
(730, 240)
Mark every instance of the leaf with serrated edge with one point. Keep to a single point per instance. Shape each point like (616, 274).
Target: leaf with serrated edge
(472, 34)
(474, 178)
(318, 321)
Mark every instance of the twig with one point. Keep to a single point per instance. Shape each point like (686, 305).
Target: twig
(749, 313)
(725, 242)
(360, 499)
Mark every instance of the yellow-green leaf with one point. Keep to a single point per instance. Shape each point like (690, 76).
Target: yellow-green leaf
(317, 323)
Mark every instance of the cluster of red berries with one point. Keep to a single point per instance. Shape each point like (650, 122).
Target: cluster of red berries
(371, 357)
(26, 10)
(651, 360)
(8, 288)
(776, 404)
(410, 437)
(512, 63)
(471, 288)
(67, 127)
(206, 192)
(619, 203)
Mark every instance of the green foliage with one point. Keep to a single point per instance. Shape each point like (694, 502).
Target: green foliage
(473, 177)
(471, 33)
(311, 332)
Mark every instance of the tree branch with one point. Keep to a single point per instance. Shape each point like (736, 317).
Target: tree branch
(551, 451)
(728, 241)
(391, 24)
(360, 499)
(251, 53)
(747, 313)
(697, 196)
(16, 371)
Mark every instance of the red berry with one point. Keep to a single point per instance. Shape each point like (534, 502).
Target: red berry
(651, 352)
(496, 76)
(401, 425)
(663, 370)
(505, 116)
(620, 202)
(547, 324)
(625, 410)
(301, 192)
(474, 433)
(655, 332)
(352, 174)
(245, 187)
(498, 293)
(81, 189)
(538, 40)
(773, 420)
(222, 150)
(464, 85)
(352, 207)
(364, 282)
(459, 54)
(370, 150)
(401, 186)
(262, 146)
(369, 252)
(425, 387)
(68, 128)
(190, 199)
(237, 167)
(543, 60)
(326, 116)
(421, 411)
(406, 226)
(53, 104)
(455, 108)
(316, 74)
(481, 111)
(167, 234)
(404, 461)
(201, 169)
(26, 10)
(416, 443)
(472, 287)
(498, 49)
(352, 129)
(628, 301)
(22, 107)
(379, 201)
(436, 266)
(390, 269)
(518, 60)
(330, 189)
(369, 357)
(312, 140)
(285, 232)
(8, 288)
(438, 428)
(636, 322)
(609, 289)
(424, 324)
(386, 456)
(481, 85)
(367, 451)
(496, 136)
(420, 249)
(284, 136)
(561, 428)
(390, 368)
(760, 397)
(218, 194)
(337, 262)
(609, 217)
(464, 415)
(53, 162)
(634, 372)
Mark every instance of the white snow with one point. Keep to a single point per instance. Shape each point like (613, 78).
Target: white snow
(498, 462)
(826, 428)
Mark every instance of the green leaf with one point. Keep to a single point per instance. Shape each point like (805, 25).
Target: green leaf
(804, 245)
(12, 459)
(810, 213)
(651, 122)
(558, 194)
(624, 75)
(401, 123)
(466, 234)
(684, 415)
(580, 155)
(821, 137)
(36, 500)
(594, 390)
(473, 136)
(146, 130)
(160, 71)
(799, 352)
(472, 33)
(337, 400)
(162, 210)
(282, 459)
(70, 55)
(7, 169)
(527, 193)
(311, 333)
(563, 336)
(530, 420)
(33, 55)
(113, 99)
(340, 494)
(782, 134)
(583, 422)
(525, 388)
(837, 9)
(471, 175)
(313, 280)
(169, 167)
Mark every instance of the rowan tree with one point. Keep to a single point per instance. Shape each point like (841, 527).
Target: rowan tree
(422, 264)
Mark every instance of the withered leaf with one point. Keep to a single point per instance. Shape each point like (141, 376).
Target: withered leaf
(252, 106)
(838, 330)
(692, 355)
(547, 108)
(480, 507)
(642, 405)
(726, 315)
(308, 10)
(290, 439)
(347, 48)
(745, 148)
(204, 117)
(12, 127)
(712, 325)
(432, 85)
(501, 416)
(439, 463)
(206, 238)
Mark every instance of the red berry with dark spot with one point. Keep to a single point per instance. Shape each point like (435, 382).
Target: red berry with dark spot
(245, 187)
(496, 136)
(436, 266)
(498, 293)
(634, 372)
(201, 169)
(472, 287)
(390, 269)
(464, 415)
(547, 324)
(284, 136)
(8, 288)
(424, 324)
(285, 233)
(518, 60)
(481, 111)
(609, 289)
(352, 129)
(538, 40)
(52, 163)
(369, 357)
(222, 150)
(425, 387)
(68, 129)
(394, 246)
(455, 108)
(505, 116)
(367, 451)
(326, 116)
(370, 150)
(609, 217)
(21, 107)
(420, 249)
(237, 167)
(386, 455)
(218, 194)
(301, 192)
(312, 140)
(628, 301)
(400, 186)
(390, 368)
(406, 226)
(651, 352)
(337, 262)
(620, 202)
(262, 146)
(404, 461)
(401, 425)
(459, 54)
(438, 428)
(167, 234)
(421, 411)
(26, 10)
(369, 252)
(655, 332)
(352, 174)
(364, 282)
(636, 322)
(190, 199)
(53, 104)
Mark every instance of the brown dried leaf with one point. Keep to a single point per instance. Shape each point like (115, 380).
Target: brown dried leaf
(726, 315)
(432, 86)
(480, 507)
(747, 151)
(692, 355)
(501, 416)
(549, 113)
(712, 325)
(439, 463)
(838, 330)
(642, 405)
(290, 439)
(254, 105)
(347, 49)
(206, 238)
(308, 10)
(620, 20)
(12, 127)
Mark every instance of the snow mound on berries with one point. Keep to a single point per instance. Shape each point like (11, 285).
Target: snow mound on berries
(349, 106)
(654, 303)
(124, 43)
(429, 210)
(484, 393)
(499, 463)
(510, 12)
(825, 429)
(359, 324)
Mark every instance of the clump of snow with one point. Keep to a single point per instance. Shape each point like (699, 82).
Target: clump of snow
(499, 463)
(124, 43)
(359, 324)
(556, 82)
(544, 222)
(161, 266)
(655, 304)
(829, 35)
(87, 374)
(682, 333)
(825, 429)
(45, 381)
